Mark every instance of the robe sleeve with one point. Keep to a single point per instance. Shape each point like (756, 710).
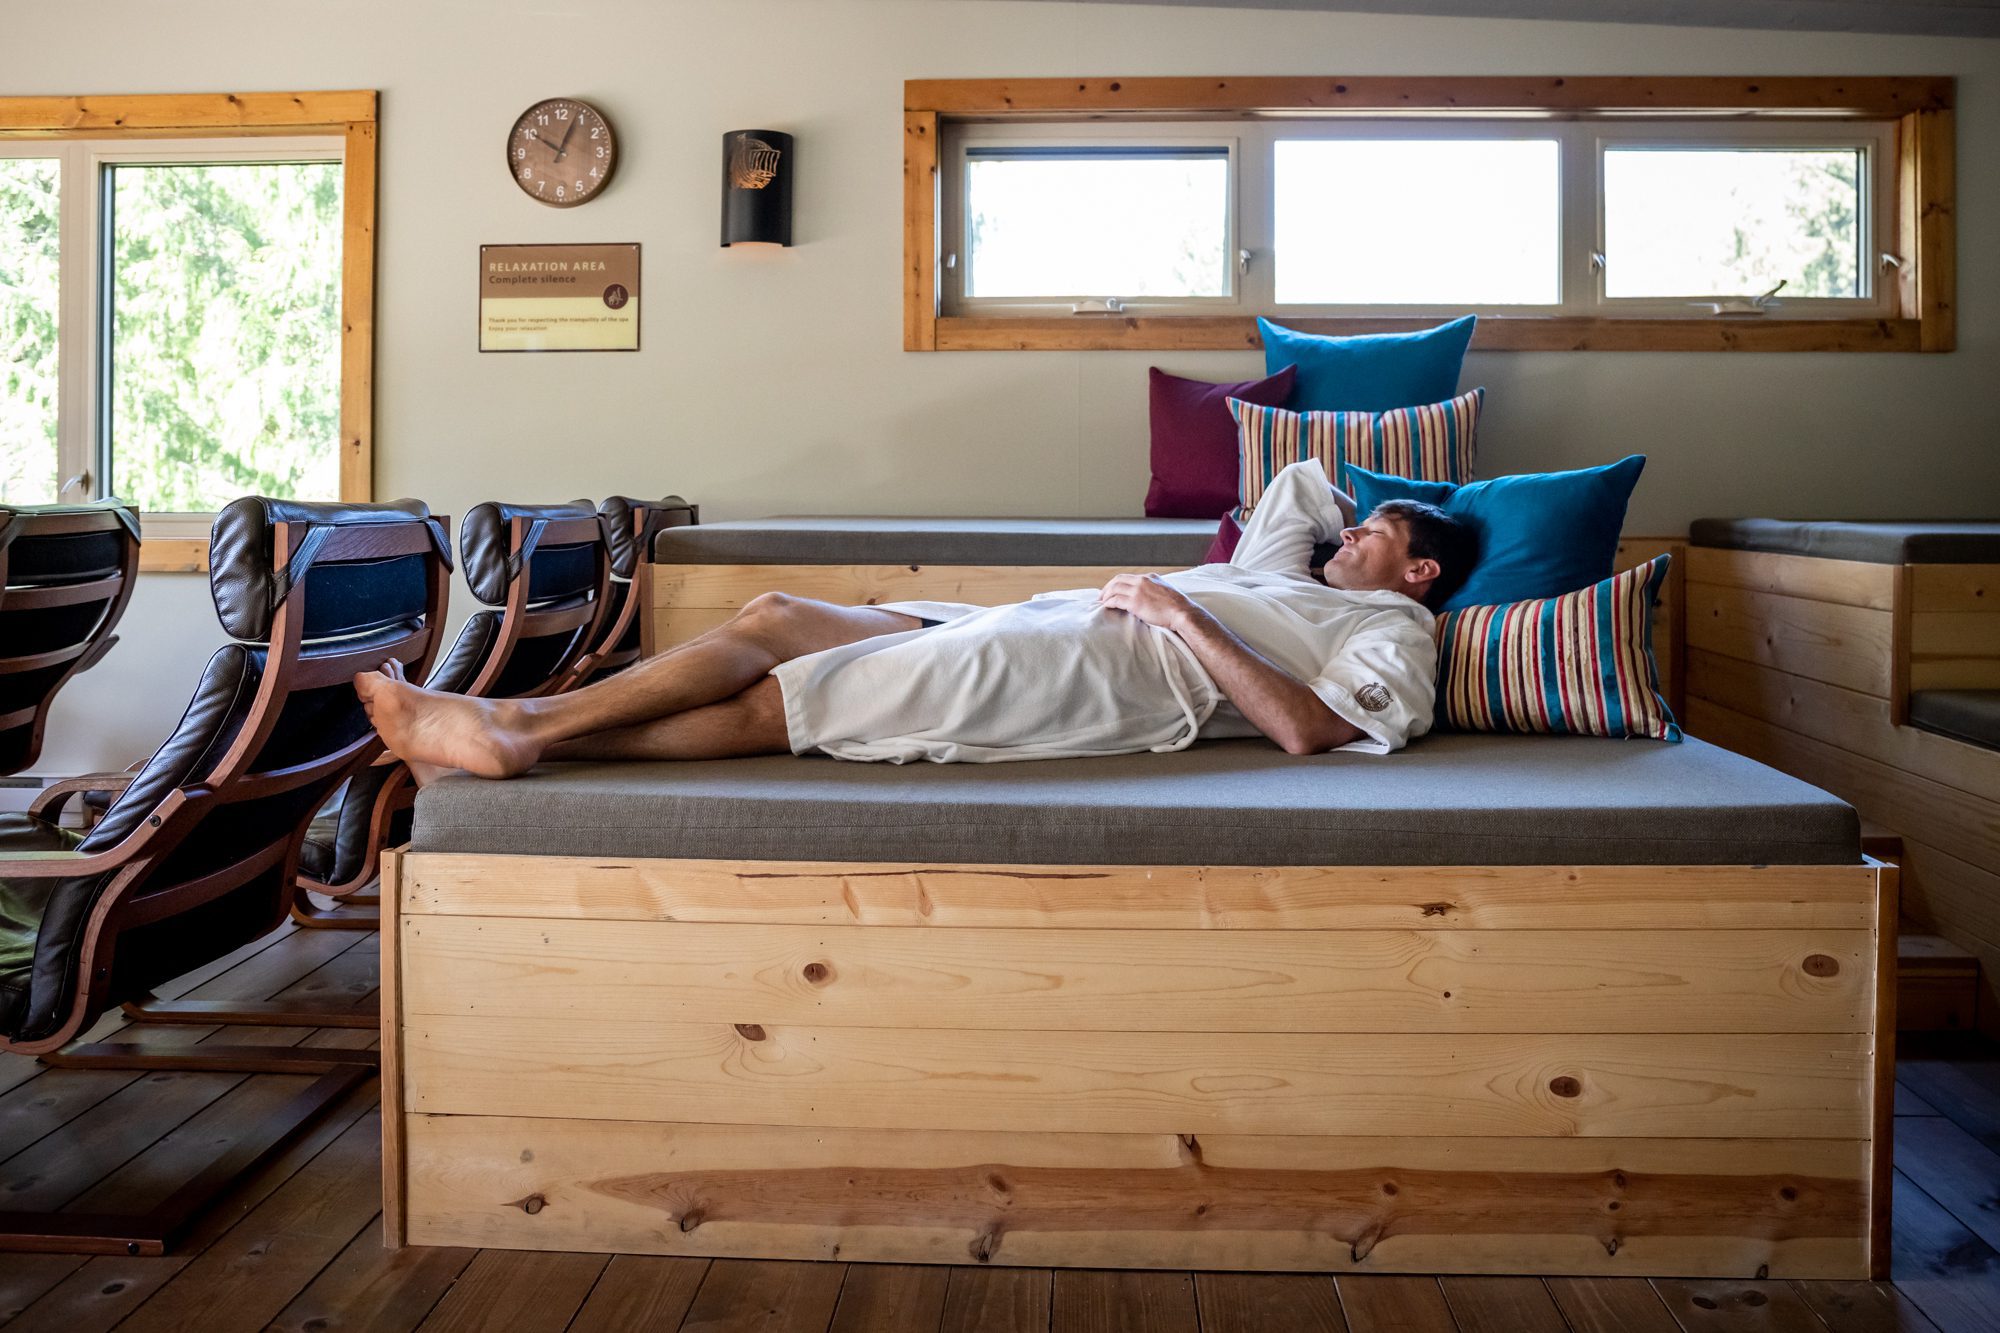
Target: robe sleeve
(1301, 509)
(1384, 681)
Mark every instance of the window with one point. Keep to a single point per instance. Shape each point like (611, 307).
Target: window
(1145, 221)
(1623, 213)
(180, 317)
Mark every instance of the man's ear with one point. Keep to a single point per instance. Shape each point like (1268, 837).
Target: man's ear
(1423, 571)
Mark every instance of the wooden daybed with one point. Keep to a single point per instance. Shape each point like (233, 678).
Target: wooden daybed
(1865, 658)
(1499, 1004)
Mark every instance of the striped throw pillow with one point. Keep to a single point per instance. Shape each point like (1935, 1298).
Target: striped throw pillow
(1429, 443)
(1580, 664)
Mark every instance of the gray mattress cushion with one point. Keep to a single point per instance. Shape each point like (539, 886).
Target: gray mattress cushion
(1447, 800)
(1129, 542)
(1972, 716)
(1970, 542)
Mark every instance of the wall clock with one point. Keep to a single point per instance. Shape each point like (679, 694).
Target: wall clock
(561, 152)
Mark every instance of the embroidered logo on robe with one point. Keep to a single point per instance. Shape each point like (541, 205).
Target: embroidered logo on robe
(1374, 696)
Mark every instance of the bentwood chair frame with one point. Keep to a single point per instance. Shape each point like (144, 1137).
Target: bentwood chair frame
(228, 781)
(615, 647)
(114, 589)
(356, 900)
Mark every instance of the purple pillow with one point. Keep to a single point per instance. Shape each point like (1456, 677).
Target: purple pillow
(1227, 536)
(1194, 441)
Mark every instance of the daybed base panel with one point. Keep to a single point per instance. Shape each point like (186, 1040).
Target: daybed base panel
(1626, 1207)
(1369, 1069)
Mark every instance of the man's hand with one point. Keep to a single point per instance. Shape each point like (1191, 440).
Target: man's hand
(1147, 598)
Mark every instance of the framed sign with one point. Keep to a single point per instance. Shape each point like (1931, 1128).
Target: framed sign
(559, 298)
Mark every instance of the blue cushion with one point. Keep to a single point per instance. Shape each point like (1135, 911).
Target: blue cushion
(1541, 534)
(1373, 372)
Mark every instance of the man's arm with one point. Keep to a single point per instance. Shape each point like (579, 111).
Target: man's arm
(1274, 701)
(1300, 509)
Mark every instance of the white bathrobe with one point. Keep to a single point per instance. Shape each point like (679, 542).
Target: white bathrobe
(1060, 676)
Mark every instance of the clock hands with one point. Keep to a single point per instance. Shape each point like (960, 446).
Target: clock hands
(562, 143)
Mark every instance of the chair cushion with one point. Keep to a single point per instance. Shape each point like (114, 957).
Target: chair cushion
(1886, 543)
(32, 910)
(1972, 716)
(484, 542)
(1446, 800)
(1133, 543)
(460, 665)
(220, 704)
(629, 523)
(248, 587)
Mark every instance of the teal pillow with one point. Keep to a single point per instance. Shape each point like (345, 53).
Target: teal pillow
(1541, 534)
(1372, 372)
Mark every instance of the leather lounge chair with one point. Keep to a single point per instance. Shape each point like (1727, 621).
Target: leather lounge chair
(630, 527)
(542, 573)
(198, 852)
(66, 574)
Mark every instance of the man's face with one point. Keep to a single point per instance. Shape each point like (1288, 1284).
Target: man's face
(1375, 554)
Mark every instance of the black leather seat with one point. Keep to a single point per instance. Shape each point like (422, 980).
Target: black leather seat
(630, 527)
(541, 574)
(66, 575)
(197, 854)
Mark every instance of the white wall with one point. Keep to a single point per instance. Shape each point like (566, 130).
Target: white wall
(774, 382)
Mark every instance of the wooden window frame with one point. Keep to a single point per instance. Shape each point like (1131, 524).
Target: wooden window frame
(347, 114)
(1923, 287)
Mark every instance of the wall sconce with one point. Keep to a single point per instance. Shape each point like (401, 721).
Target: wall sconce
(757, 169)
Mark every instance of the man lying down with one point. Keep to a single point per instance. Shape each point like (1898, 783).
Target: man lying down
(1326, 658)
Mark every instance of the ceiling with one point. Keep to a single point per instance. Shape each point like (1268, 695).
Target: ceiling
(1956, 18)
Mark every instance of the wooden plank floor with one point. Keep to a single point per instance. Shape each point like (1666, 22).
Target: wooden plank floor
(298, 1246)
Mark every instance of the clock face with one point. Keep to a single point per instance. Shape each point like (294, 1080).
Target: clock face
(561, 152)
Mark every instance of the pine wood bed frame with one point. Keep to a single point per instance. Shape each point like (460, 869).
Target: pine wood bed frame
(1630, 1070)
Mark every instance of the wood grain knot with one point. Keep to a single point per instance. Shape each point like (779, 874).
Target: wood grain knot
(531, 1205)
(1565, 1086)
(750, 1031)
(1821, 965)
(1435, 909)
(817, 973)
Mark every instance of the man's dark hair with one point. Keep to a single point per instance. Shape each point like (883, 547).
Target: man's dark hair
(1435, 535)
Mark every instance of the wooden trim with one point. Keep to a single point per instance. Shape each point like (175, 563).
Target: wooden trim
(350, 114)
(1929, 243)
(357, 314)
(1495, 333)
(1309, 1203)
(173, 555)
(1360, 981)
(391, 1002)
(1141, 897)
(1875, 98)
(1923, 176)
(109, 115)
(920, 222)
(1881, 1139)
(1846, 582)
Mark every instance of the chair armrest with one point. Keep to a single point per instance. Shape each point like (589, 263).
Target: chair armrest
(50, 803)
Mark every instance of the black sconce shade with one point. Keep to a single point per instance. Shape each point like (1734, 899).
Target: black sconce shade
(757, 169)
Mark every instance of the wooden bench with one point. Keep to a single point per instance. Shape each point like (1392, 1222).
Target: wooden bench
(1804, 645)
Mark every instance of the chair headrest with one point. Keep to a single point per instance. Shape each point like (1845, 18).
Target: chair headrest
(484, 540)
(18, 521)
(248, 587)
(619, 513)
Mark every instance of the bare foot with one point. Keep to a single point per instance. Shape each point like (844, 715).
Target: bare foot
(442, 731)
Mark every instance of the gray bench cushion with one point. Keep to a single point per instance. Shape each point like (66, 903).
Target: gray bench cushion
(1127, 542)
(1966, 715)
(1926, 543)
(1447, 800)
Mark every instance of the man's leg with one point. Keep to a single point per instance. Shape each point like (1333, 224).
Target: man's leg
(752, 722)
(504, 737)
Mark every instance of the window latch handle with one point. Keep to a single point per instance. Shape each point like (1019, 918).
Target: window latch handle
(1890, 261)
(1242, 262)
(1597, 261)
(80, 479)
